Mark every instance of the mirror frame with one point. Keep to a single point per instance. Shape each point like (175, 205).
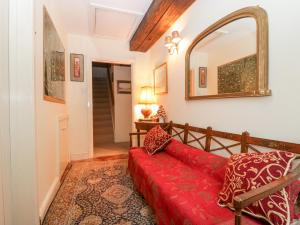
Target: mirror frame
(261, 18)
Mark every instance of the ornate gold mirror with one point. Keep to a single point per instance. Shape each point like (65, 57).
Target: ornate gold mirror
(230, 58)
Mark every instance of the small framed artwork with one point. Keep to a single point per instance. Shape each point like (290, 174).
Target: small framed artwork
(77, 67)
(161, 79)
(203, 77)
(124, 87)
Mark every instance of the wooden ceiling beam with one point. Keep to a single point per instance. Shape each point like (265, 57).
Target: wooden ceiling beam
(158, 19)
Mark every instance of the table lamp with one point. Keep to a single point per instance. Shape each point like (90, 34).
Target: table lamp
(147, 98)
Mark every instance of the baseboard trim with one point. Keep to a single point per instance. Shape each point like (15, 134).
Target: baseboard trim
(49, 198)
(80, 156)
(67, 170)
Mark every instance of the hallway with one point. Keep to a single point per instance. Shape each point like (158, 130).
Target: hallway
(111, 149)
(111, 109)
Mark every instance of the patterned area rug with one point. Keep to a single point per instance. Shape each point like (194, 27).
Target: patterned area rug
(98, 192)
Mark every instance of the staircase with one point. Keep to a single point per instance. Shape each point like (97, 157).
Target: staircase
(103, 127)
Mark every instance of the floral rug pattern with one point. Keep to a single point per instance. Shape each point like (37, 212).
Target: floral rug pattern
(99, 193)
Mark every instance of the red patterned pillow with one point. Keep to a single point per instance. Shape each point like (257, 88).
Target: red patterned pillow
(156, 139)
(294, 191)
(249, 171)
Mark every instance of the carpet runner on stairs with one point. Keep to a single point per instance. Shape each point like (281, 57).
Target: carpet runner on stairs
(103, 127)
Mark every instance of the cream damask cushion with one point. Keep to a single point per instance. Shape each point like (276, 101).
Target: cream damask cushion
(249, 171)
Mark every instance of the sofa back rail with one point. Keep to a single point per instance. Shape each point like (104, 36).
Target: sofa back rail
(212, 140)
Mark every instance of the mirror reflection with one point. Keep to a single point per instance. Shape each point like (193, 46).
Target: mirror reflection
(225, 61)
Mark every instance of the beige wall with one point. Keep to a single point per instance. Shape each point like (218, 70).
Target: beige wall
(123, 106)
(80, 95)
(274, 117)
(47, 113)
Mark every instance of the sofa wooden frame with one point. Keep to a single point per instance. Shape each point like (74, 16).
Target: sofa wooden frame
(203, 137)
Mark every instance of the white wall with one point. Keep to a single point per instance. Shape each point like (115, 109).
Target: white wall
(47, 113)
(142, 75)
(274, 117)
(4, 116)
(123, 105)
(80, 95)
(198, 59)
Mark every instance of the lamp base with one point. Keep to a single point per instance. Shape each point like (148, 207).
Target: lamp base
(146, 112)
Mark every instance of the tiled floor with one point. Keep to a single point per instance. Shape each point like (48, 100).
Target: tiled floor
(110, 149)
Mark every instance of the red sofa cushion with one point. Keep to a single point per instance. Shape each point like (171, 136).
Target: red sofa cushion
(156, 139)
(179, 193)
(210, 164)
(248, 171)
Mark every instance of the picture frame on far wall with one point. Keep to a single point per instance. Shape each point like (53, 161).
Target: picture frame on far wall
(124, 87)
(161, 79)
(202, 77)
(77, 67)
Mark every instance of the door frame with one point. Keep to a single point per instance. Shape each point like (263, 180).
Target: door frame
(90, 96)
(22, 153)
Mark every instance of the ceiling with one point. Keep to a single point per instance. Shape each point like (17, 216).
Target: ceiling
(113, 19)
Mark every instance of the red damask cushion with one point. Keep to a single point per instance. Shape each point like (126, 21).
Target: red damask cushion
(249, 171)
(156, 139)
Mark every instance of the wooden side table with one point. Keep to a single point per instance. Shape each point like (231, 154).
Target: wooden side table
(146, 126)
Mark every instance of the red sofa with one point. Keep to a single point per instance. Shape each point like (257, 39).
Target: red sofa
(182, 184)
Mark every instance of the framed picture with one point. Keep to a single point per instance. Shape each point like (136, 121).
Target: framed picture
(77, 67)
(203, 77)
(161, 79)
(124, 87)
(53, 62)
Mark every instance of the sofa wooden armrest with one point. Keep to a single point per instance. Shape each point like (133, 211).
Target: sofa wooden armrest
(245, 199)
(138, 134)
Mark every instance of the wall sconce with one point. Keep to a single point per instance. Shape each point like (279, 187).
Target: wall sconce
(171, 42)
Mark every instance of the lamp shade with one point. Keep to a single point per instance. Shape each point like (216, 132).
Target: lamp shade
(147, 95)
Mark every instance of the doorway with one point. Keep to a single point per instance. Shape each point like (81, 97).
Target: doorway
(112, 108)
